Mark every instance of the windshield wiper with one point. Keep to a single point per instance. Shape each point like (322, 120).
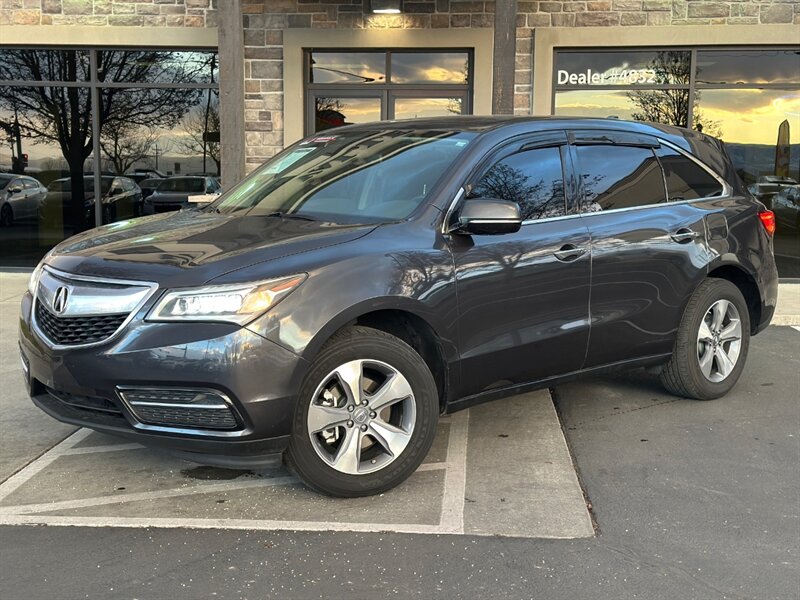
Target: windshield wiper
(285, 215)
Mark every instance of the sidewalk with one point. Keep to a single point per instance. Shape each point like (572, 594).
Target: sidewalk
(788, 310)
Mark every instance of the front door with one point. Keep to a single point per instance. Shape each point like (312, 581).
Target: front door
(524, 297)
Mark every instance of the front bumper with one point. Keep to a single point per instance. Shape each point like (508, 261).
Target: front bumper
(257, 376)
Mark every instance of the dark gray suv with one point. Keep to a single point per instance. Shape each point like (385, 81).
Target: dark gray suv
(366, 280)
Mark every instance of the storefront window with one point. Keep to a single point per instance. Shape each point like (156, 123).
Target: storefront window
(358, 87)
(147, 130)
(749, 98)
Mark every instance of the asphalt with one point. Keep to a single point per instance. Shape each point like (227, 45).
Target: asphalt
(691, 500)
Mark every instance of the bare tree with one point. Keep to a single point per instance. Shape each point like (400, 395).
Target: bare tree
(126, 145)
(199, 126)
(671, 107)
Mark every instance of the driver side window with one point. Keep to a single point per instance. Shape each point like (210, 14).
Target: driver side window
(534, 179)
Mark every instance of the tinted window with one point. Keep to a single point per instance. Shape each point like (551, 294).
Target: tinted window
(30, 184)
(686, 180)
(533, 179)
(619, 177)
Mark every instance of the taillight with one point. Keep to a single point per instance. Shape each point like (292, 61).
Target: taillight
(768, 221)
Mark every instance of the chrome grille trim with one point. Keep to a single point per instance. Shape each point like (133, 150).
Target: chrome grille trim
(142, 292)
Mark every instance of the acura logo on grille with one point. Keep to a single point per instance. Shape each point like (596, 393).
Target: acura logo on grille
(60, 300)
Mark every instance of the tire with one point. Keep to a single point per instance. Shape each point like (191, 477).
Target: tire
(331, 460)
(707, 363)
(6, 216)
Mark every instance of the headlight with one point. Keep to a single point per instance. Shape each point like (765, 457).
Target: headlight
(33, 282)
(238, 303)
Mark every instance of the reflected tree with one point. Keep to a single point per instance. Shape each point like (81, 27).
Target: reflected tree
(124, 145)
(537, 200)
(62, 115)
(199, 126)
(671, 107)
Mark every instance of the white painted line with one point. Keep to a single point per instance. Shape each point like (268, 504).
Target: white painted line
(204, 488)
(455, 478)
(19, 478)
(108, 448)
(252, 525)
(437, 466)
(255, 524)
(796, 327)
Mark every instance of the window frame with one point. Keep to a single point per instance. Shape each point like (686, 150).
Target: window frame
(387, 91)
(693, 86)
(95, 86)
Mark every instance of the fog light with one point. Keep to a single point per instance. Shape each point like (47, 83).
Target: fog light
(182, 408)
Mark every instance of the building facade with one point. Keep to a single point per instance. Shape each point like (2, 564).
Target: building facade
(218, 87)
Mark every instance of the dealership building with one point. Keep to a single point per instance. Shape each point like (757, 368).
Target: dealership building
(97, 89)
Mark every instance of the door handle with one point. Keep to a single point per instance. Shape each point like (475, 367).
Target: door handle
(684, 235)
(569, 252)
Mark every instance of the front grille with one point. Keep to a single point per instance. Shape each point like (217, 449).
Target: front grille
(85, 402)
(194, 409)
(68, 331)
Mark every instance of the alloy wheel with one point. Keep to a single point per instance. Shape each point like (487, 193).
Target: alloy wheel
(719, 341)
(361, 416)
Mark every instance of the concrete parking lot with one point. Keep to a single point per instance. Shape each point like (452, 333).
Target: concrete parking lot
(498, 469)
(687, 499)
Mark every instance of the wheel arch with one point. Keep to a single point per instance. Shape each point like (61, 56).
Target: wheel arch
(399, 317)
(747, 286)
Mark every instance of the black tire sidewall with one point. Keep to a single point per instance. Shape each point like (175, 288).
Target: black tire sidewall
(363, 343)
(711, 291)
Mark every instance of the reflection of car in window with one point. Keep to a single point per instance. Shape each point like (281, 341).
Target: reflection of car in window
(786, 206)
(20, 197)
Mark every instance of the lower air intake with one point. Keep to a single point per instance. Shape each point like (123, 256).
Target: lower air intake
(181, 408)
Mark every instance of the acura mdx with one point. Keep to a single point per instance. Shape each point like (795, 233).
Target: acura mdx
(370, 278)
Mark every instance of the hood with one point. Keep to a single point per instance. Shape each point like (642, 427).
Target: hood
(190, 248)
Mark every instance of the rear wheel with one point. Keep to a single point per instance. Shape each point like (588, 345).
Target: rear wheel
(712, 343)
(366, 415)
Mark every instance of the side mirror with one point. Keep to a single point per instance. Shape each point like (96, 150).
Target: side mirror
(488, 216)
(14, 190)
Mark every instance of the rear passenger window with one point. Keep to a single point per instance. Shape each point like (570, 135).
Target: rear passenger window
(533, 179)
(686, 180)
(619, 177)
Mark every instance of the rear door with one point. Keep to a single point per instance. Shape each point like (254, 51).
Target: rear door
(524, 297)
(649, 250)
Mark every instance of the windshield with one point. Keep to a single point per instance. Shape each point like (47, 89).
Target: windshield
(349, 177)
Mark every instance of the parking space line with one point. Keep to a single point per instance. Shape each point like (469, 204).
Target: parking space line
(796, 327)
(201, 488)
(23, 475)
(455, 479)
(250, 524)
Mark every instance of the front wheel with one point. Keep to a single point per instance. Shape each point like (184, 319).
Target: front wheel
(366, 415)
(712, 343)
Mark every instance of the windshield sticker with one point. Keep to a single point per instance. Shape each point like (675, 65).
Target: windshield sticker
(287, 161)
(318, 140)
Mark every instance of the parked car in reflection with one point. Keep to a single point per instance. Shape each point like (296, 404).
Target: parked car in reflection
(148, 186)
(174, 193)
(121, 199)
(767, 186)
(20, 197)
(786, 206)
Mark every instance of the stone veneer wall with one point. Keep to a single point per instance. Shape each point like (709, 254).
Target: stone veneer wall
(130, 13)
(265, 20)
